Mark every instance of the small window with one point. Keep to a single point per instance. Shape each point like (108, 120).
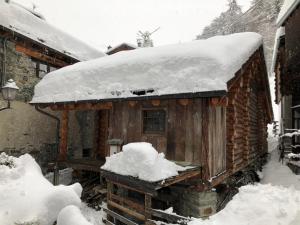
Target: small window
(42, 68)
(154, 121)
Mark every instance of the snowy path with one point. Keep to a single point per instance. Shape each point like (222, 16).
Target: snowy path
(279, 174)
(276, 201)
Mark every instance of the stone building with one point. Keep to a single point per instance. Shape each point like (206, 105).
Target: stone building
(29, 49)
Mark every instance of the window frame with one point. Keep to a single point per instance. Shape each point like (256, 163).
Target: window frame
(154, 133)
(38, 68)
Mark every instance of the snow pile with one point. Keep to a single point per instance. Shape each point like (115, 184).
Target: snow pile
(286, 9)
(293, 156)
(257, 205)
(71, 215)
(24, 22)
(197, 66)
(292, 134)
(141, 160)
(65, 176)
(26, 196)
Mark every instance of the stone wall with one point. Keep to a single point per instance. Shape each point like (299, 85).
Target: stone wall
(22, 128)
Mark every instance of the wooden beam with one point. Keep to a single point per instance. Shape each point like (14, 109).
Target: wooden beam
(119, 217)
(170, 218)
(63, 136)
(148, 206)
(82, 106)
(124, 201)
(181, 177)
(126, 210)
(40, 56)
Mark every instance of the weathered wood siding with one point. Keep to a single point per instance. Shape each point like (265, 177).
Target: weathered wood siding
(247, 114)
(195, 130)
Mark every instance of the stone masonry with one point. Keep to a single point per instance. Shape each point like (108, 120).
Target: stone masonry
(22, 128)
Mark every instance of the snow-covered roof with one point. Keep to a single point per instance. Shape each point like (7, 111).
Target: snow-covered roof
(119, 45)
(197, 66)
(20, 20)
(286, 10)
(279, 33)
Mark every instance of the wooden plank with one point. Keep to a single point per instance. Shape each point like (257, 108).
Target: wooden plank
(181, 177)
(119, 217)
(205, 141)
(107, 222)
(82, 106)
(148, 206)
(189, 134)
(170, 218)
(40, 56)
(171, 144)
(63, 147)
(197, 131)
(128, 211)
(125, 201)
(180, 129)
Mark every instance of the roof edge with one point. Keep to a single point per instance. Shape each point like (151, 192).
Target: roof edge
(205, 94)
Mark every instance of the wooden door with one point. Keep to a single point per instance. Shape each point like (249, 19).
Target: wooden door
(102, 133)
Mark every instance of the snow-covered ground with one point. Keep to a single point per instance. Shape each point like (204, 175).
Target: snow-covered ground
(26, 196)
(276, 200)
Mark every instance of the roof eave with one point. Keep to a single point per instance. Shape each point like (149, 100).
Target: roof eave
(205, 94)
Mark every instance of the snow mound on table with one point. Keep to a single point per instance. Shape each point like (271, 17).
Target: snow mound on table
(258, 205)
(71, 215)
(141, 160)
(26, 196)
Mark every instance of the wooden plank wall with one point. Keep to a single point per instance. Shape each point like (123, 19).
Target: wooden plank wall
(195, 130)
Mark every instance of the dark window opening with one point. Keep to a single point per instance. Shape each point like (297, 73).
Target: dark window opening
(154, 121)
(41, 68)
(142, 92)
(86, 152)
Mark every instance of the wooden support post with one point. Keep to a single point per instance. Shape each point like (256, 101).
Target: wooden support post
(63, 136)
(148, 206)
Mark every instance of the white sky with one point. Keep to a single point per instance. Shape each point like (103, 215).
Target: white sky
(109, 22)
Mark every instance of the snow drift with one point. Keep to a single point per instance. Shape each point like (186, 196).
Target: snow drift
(26, 196)
(141, 160)
(257, 205)
(197, 66)
(71, 215)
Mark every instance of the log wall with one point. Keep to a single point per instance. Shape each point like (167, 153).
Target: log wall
(247, 115)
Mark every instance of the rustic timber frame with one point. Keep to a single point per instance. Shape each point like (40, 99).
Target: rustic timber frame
(141, 211)
(222, 131)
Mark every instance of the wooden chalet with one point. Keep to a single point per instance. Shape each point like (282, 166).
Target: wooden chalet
(121, 47)
(220, 131)
(286, 65)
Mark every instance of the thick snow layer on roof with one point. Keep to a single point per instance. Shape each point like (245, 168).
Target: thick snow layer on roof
(26, 196)
(141, 160)
(24, 22)
(119, 45)
(286, 10)
(279, 33)
(198, 66)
